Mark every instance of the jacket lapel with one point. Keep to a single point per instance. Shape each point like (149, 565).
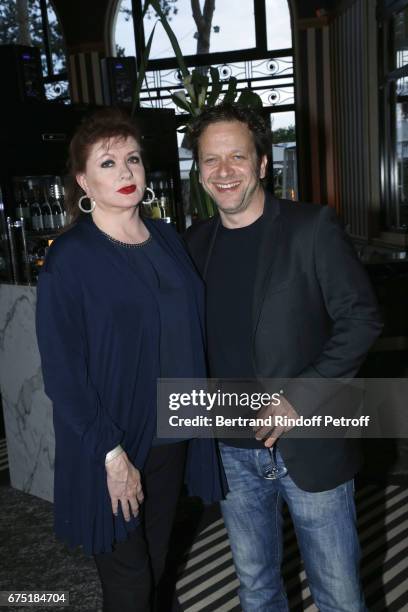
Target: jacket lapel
(267, 260)
(211, 241)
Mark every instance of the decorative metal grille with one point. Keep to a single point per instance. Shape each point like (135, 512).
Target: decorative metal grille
(402, 87)
(58, 90)
(271, 79)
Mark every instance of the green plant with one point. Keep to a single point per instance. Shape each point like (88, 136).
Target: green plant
(198, 90)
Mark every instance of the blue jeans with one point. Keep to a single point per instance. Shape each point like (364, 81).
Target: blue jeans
(325, 525)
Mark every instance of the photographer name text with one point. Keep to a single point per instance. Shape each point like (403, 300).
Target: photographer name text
(269, 421)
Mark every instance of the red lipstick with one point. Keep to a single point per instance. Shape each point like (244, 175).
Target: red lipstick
(128, 189)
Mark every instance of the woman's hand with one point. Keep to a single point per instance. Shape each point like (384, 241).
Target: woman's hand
(124, 485)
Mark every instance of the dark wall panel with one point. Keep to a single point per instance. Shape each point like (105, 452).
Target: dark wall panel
(83, 23)
(306, 9)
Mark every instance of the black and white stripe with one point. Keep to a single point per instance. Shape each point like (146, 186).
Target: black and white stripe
(207, 582)
(3, 455)
(85, 78)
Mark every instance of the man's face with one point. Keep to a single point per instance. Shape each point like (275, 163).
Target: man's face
(229, 168)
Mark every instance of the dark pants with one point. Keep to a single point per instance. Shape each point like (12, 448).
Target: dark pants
(131, 574)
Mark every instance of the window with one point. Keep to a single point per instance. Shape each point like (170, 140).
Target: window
(284, 160)
(394, 106)
(400, 39)
(123, 34)
(278, 26)
(218, 32)
(252, 43)
(34, 23)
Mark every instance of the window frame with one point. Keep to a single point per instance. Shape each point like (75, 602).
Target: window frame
(260, 52)
(388, 77)
(253, 53)
(51, 77)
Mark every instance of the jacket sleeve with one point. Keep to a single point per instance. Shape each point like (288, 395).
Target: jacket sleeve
(62, 343)
(349, 300)
(352, 307)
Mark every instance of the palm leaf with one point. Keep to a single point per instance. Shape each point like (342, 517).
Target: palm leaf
(231, 92)
(199, 198)
(215, 75)
(199, 80)
(142, 71)
(179, 98)
(188, 84)
(250, 98)
(209, 204)
(216, 87)
(200, 83)
(195, 197)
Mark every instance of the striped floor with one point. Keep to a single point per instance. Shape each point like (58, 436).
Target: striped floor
(3, 455)
(207, 582)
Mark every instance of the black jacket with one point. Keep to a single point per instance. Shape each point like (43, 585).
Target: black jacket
(314, 316)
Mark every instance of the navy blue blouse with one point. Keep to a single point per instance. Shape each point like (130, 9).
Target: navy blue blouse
(99, 331)
(165, 281)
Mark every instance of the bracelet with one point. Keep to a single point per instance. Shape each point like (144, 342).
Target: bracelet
(118, 450)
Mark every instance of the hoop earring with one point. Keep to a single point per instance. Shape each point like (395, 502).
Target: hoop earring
(153, 196)
(86, 210)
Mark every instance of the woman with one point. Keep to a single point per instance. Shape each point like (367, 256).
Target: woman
(119, 305)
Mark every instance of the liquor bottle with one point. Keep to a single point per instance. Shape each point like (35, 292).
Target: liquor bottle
(18, 193)
(46, 210)
(58, 215)
(62, 200)
(25, 207)
(164, 204)
(22, 205)
(155, 208)
(164, 209)
(35, 209)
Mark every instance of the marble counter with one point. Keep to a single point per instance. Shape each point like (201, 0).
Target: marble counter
(27, 410)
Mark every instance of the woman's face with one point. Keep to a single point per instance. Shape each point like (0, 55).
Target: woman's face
(114, 175)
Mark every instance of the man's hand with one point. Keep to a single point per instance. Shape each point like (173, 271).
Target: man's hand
(271, 435)
(124, 485)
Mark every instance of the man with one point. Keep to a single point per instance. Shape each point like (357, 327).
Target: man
(287, 298)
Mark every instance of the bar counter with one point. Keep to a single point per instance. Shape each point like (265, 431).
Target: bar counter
(27, 410)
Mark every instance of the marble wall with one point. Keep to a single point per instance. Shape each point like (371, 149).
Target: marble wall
(27, 410)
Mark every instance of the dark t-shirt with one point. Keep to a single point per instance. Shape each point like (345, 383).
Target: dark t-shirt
(230, 288)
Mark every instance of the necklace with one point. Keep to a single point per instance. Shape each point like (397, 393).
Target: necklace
(127, 245)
